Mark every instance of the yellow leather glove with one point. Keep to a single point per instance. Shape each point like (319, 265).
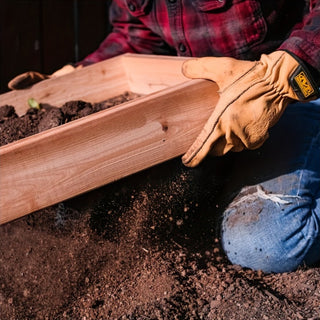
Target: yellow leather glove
(253, 96)
(27, 79)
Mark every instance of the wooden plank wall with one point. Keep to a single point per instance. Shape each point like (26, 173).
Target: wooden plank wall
(43, 35)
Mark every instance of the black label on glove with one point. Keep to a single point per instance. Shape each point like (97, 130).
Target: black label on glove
(303, 84)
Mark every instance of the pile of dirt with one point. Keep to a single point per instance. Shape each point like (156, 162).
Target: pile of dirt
(144, 247)
(45, 116)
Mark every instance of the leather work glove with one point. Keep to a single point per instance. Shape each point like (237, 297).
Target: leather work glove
(27, 79)
(253, 96)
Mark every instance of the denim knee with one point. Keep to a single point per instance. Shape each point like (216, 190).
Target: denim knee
(273, 224)
(273, 233)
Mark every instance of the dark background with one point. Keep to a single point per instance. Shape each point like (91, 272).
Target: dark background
(44, 35)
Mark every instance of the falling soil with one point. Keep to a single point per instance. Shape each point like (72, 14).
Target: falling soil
(144, 247)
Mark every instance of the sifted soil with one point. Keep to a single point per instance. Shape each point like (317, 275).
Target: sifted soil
(144, 247)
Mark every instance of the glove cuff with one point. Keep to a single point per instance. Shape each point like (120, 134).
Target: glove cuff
(303, 82)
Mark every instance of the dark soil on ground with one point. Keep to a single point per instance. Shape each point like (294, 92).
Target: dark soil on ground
(144, 247)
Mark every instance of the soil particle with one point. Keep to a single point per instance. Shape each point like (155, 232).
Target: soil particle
(7, 112)
(144, 247)
(50, 117)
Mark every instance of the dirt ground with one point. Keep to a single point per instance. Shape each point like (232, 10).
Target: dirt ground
(144, 247)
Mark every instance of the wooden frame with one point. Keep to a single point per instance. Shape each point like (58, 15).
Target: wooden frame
(87, 153)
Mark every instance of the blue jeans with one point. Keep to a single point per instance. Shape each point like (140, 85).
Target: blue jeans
(273, 223)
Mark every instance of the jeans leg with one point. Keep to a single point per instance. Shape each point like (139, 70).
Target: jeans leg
(273, 223)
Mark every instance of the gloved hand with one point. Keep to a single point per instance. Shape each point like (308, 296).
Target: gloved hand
(253, 96)
(27, 79)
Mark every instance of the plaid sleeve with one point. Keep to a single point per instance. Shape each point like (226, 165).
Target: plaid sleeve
(129, 34)
(304, 41)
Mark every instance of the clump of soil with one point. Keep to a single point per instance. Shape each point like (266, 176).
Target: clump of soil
(144, 247)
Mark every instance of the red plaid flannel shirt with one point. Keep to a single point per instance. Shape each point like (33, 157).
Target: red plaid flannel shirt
(242, 29)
